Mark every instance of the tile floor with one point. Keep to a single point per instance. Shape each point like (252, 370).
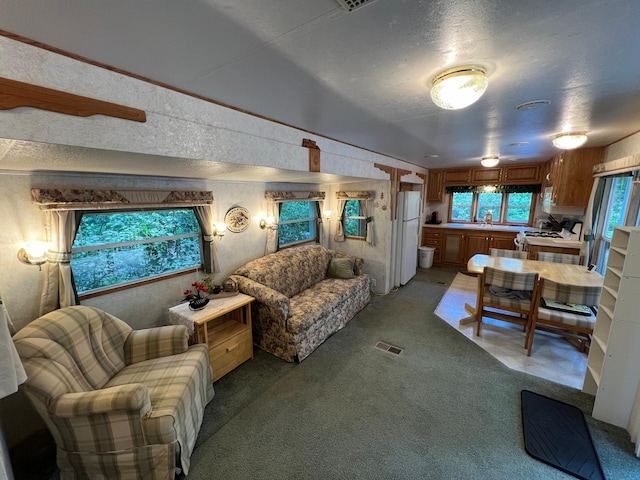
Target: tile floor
(552, 357)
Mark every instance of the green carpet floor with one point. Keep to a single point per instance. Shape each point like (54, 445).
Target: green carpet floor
(442, 409)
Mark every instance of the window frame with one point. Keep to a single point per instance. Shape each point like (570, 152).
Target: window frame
(502, 220)
(145, 280)
(313, 204)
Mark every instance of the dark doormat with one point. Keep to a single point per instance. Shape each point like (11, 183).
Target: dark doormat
(556, 433)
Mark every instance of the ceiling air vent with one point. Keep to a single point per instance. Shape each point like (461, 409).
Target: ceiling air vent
(351, 5)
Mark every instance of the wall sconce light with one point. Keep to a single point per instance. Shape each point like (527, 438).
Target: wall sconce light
(33, 254)
(219, 229)
(269, 223)
(327, 214)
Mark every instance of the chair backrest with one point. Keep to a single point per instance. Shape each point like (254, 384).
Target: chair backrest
(510, 280)
(73, 349)
(559, 258)
(571, 294)
(501, 252)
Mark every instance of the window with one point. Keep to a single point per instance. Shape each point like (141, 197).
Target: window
(354, 223)
(114, 249)
(506, 207)
(613, 210)
(297, 223)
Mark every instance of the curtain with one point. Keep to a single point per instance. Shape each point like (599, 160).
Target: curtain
(339, 235)
(533, 188)
(320, 214)
(59, 289)
(364, 208)
(273, 210)
(204, 214)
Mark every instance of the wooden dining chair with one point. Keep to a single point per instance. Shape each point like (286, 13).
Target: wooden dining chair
(566, 310)
(559, 258)
(507, 296)
(502, 252)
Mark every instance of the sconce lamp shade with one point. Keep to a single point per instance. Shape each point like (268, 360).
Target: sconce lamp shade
(569, 141)
(489, 161)
(33, 254)
(459, 87)
(269, 223)
(219, 229)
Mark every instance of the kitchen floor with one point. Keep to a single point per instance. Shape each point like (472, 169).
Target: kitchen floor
(552, 357)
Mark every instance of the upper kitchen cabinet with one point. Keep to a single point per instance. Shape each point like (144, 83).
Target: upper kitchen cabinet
(435, 186)
(571, 178)
(457, 176)
(522, 174)
(486, 175)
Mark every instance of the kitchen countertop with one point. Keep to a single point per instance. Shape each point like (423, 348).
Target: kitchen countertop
(553, 242)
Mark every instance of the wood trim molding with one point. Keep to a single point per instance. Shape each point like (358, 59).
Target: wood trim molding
(14, 94)
(314, 154)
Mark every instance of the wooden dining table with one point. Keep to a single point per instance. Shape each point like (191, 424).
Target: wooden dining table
(558, 272)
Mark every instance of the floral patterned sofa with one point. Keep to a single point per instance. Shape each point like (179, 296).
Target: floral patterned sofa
(303, 295)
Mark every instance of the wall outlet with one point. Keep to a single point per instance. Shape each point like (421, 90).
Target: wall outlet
(373, 282)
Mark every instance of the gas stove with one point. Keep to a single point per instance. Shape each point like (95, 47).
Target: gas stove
(543, 234)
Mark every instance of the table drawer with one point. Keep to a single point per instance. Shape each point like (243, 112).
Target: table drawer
(232, 352)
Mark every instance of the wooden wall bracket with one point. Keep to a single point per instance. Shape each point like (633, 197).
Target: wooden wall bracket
(314, 154)
(14, 94)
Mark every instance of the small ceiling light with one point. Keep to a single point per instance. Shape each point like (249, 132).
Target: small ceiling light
(459, 87)
(489, 161)
(569, 141)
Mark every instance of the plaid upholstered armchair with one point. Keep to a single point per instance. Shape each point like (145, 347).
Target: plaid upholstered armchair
(120, 403)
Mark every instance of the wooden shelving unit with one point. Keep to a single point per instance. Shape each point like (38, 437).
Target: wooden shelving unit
(612, 368)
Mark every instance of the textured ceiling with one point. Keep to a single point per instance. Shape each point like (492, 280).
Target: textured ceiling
(363, 77)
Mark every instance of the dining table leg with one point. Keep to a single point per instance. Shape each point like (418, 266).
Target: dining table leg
(473, 311)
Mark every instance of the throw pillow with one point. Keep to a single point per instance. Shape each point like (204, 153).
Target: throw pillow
(341, 268)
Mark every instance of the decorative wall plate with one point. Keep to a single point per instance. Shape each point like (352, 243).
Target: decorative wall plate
(237, 219)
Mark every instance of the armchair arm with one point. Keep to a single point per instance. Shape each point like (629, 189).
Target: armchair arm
(133, 397)
(277, 303)
(155, 342)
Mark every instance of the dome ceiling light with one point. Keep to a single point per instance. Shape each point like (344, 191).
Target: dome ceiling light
(489, 161)
(569, 141)
(459, 87)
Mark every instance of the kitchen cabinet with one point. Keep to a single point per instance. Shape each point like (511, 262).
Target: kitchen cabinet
(435, 186)
(521, 174)
(432, 237)
(612, 367)
(453, 247)
(571, 177)
(482, 176)
(457, 176)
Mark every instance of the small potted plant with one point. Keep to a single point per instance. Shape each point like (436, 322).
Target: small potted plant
(195, 296)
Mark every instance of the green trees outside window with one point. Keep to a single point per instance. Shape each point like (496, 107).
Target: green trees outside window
(112, 249)
(297, 222)
(505, 207)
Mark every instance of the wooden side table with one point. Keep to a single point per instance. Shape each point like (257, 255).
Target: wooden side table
(224, 325)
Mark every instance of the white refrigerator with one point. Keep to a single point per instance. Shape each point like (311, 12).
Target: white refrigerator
(407, 237)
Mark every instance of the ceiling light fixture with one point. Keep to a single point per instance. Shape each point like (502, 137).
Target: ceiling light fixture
(459, 87)
(489, 161)
(569, 141)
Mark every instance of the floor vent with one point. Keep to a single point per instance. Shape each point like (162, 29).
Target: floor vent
(389, 348)
(351, 5)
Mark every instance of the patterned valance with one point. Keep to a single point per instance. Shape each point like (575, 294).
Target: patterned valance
(354, 195)
(533, 188)
(72, 199)
(275, 197)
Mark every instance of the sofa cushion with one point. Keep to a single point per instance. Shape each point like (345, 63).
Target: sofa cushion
(341, 268)
(316, 302)
(289, 271)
